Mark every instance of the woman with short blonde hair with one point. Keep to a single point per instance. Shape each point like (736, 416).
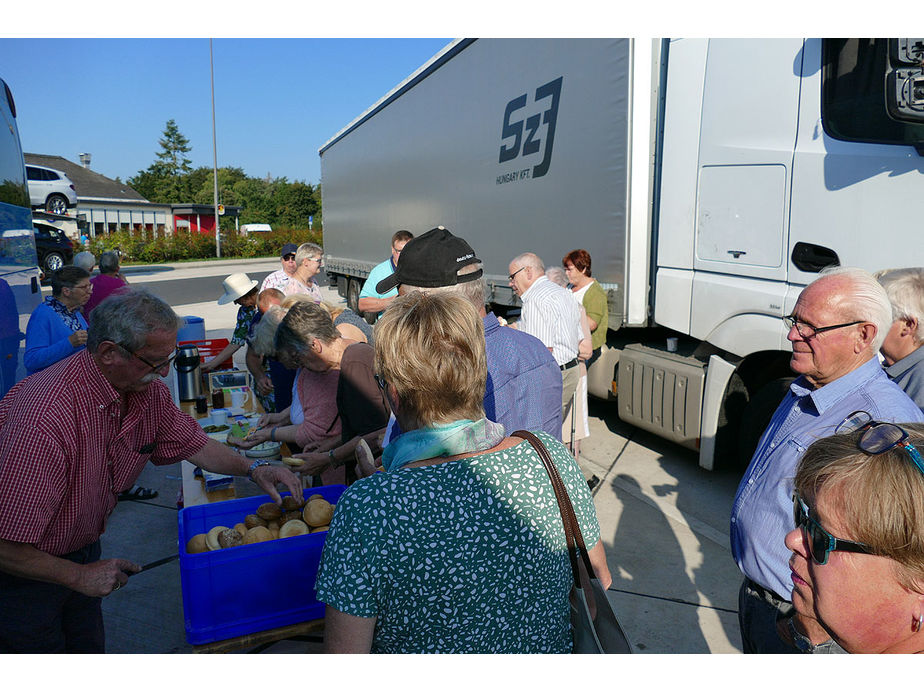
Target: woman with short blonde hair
(459, 545)
(858, 547)
(404, 358)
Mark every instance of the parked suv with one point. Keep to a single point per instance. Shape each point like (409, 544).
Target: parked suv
(50, 189)
(54, 249)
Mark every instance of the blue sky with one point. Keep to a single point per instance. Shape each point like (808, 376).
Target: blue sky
(276, 100)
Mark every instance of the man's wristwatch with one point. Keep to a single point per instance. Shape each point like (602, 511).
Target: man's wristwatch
(254, 465)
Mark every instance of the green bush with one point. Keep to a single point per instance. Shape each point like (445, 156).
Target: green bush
(144, 247)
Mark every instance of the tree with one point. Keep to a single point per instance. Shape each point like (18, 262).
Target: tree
(166, 179)
(171, 159)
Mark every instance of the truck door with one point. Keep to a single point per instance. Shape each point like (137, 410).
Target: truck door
(857, 176)
(749, 118)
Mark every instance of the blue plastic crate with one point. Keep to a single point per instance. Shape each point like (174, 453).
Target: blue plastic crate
(248, 589)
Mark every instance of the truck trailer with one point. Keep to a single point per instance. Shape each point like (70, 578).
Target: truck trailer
(709, 179)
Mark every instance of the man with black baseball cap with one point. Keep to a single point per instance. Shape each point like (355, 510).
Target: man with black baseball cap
(280, 277)
(524, 383)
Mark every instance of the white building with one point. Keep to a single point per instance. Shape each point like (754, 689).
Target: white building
(105, 205)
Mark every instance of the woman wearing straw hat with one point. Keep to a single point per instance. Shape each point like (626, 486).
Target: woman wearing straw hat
(242, 290)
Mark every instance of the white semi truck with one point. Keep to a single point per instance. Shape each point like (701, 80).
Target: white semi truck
(710, 180)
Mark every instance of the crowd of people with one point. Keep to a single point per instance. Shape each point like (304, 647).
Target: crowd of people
(448, 537)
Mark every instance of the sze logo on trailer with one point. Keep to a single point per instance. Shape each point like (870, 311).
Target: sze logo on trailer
(520, 137)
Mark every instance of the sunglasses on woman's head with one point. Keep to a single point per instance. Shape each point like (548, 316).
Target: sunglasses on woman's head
(821, 543)
(878, 437)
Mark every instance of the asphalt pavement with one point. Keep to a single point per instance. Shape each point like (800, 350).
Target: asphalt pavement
(664, 520)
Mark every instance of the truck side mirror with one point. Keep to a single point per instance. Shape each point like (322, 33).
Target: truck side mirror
(905, 80)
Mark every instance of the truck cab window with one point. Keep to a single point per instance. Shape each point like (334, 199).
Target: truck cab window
(853, 94)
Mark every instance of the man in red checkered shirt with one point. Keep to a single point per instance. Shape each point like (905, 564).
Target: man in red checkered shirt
(72, 437)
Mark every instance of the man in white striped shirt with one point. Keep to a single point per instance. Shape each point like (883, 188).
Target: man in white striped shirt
(550, 314)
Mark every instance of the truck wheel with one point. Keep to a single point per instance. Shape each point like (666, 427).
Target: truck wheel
(353, 296)
(757, 416)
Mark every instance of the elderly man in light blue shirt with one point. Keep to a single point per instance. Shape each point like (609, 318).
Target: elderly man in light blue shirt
(836, 329)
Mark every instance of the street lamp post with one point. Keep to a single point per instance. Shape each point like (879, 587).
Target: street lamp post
(215, 153)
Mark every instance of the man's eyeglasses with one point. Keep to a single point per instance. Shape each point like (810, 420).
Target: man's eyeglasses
(314, 259)
(152, 366)
(807, 331)
(511, 276)
(290, 256)
(821, 543)
(878, 436)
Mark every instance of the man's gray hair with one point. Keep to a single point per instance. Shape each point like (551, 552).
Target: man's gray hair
(109, 262)
(530, 260)
(304, 323)
(867, 301)
(905, 289)
(85, 259)
(264, 334)
(557, 275)
(473, 291)
(128, 317)
(306, 250)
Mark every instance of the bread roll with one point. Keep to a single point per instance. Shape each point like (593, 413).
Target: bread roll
(269, 511)
(257, 534)
(292, 503)
(211, 538)
(293, 528)
(241, 528)
(229, 538)
(252, 521)
(197, 544)
(320, 529)
(317, 513)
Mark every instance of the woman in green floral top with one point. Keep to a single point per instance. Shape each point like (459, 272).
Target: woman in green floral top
(458, 546)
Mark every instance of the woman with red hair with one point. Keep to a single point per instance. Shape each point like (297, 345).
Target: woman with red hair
(588, 292)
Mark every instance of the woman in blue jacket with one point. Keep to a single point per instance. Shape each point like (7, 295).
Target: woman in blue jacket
(57, 327)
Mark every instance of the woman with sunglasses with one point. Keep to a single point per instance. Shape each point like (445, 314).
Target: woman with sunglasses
(458, 546)
(858, 546)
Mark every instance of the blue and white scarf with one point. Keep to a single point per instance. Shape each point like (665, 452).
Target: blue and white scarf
(70, 318)
(444, 440)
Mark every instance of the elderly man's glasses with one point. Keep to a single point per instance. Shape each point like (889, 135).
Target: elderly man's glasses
(878, 436)
(290, 256)
(511, 276)
(152, 366)
(821, 543)
(807, 331)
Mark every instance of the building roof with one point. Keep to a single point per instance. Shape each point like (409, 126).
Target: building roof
(89, 184)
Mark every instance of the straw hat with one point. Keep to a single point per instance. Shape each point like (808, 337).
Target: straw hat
(235, 286)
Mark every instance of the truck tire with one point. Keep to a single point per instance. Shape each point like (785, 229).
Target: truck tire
(353, 295)
(757, 416)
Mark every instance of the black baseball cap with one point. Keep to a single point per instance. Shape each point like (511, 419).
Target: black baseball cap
(432, 260)
(287, 249)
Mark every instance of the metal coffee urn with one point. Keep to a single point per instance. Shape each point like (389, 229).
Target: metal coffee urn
(188, 373)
